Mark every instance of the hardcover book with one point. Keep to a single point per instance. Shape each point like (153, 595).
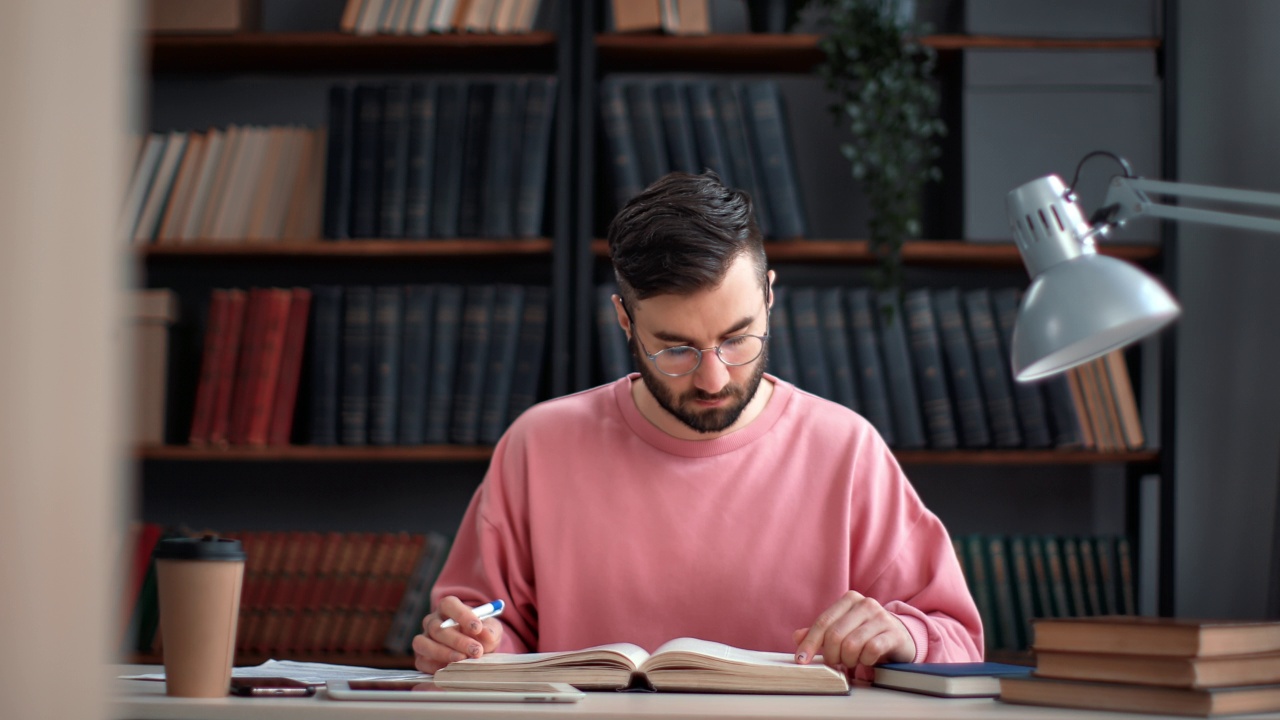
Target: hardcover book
(972, 679)
(1175, 637)
(1140, 698)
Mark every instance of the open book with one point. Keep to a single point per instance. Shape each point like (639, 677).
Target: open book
(681, 665)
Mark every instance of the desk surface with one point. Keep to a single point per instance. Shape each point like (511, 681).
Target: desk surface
(145, 700)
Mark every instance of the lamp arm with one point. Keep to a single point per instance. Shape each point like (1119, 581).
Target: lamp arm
(1127, 198)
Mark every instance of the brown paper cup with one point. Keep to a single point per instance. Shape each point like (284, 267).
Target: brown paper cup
(199, 604)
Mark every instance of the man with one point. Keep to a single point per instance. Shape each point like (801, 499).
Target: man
(701, 497)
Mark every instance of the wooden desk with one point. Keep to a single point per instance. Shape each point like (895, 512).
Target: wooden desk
(145, 700)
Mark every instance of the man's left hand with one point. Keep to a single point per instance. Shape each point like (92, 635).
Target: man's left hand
(856, 630)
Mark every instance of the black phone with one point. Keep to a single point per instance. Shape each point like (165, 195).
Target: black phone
(270, 687)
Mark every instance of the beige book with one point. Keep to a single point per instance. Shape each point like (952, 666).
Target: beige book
(306, 208)
(420, 19)
(695, 17)
(180, 199)
(350, 15)
(153, 312)
(234, 222)
(1117, 374)
(683, 664)
(504, 16)
(161, 187)
(480, 16)
(390, 13)
(136, 195)
(370, 14)
(262, 197)
(1141, 635)
(405, 16)
(637, 15)
(214, 155)
(283, 183)
(444, 15)
(231, 154)
(1188, 672)
(527, 15)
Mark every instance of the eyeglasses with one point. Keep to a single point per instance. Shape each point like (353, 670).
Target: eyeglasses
(683, 359)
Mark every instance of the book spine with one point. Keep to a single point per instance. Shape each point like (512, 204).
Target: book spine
(394, 161)
(384, 395)
(326, 363)
(246, 373)
(926, 352)
(419, 316)
(477, 336)
(646, 124)
(782, 354)
(446, 191)
(1089, 571)
(367, 162)
(962, 369)
(1028, 396)
(835, 337)
(627, 182)
(815, 376)
(980, 587)
(529, 354)
(1128, 585)
(706, 130)
(475, 159)
(1064, 417)
(276, 325)
(444, 362)
(1057, 577)
(1002, 593)
(283, 407)
(1075, 576)
(357, 344)
(1023, 587)
(908, 427)
(507, 309)
(499, 174)
(422, 148)
(1108, 586)
(535, 151)
(1117, 376)
(870, 370)
(677, 125)
(994, 373)
(777, 165)
(206, 388)
(1040, 578)
(740, 156)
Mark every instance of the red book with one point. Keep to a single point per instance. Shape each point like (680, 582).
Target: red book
(246, 372)
(230, 354)
(207, 387)
(282, 408)
(267, 365)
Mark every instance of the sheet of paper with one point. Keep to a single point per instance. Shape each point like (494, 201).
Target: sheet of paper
(308, 672)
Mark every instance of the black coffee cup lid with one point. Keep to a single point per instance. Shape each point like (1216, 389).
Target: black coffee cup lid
(209, 547)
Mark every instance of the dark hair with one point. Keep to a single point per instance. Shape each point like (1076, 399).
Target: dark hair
(681, 235)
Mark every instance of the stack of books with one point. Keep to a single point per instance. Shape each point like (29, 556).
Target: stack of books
(1170, 666)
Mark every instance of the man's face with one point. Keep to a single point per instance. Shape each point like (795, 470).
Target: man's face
(712, 397)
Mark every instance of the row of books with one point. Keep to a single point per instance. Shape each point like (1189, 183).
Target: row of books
(682, 17)
(245, 182)
(420, 17)
(389, 365)
(736, 128)
(307, 592)
(929, 370)
(1018, 579)
(1166, 666)
(439, 157)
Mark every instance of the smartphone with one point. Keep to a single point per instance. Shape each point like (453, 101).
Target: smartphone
(270, 687)
(428, 691)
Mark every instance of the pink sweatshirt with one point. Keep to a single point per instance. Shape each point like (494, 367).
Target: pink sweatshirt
(597, 527)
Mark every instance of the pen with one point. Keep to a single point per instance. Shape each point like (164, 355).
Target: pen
(484, 612)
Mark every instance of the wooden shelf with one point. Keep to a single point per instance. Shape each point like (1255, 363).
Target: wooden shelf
(474, 453)
(350, 248)
(328, 52)
(917, 252)
(369, 659)
(762, 52)
(309, 453)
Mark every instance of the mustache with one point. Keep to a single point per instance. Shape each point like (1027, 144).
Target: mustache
(729, 391)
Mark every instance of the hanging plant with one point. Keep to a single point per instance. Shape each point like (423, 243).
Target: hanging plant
(881, 79)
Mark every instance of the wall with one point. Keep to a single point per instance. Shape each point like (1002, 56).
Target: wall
(1228, 410)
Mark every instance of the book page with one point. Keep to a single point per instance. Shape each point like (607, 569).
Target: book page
(622, 654)
(723, 653)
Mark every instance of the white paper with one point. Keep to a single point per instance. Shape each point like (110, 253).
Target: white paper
(308, 672)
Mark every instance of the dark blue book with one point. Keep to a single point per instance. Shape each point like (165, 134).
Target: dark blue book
(646, 124)
(707, 132)
(872, 383)
(451, 126)
(395, 160)
(806, 330)
(529, 351)
(835, 337)
(444, 363)
(615, 356)
(992, 368)
(508, 307)
(962, 369)
(338, 155)
(326, 363)
(931, 375)
(496, 186)
(519, 104)
(677, 124)
(737, 142)
(384, 378)
(1002, 592)
(475, 159)
(1023, 588)
(973, 679)
(415, 363)
(623, 160)
(980, 587)
(473, 360)
(765, 112)
(357, 344)
(1028, 396)
(535, 156)
(422, 147)
(782, 349)
(367, 162)
(908, 426)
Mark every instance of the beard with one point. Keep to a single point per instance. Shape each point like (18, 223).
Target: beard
(682, 408)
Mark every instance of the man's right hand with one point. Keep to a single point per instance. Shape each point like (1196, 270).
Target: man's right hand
(471, 638)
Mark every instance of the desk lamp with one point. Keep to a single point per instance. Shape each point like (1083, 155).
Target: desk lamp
(1082, 305)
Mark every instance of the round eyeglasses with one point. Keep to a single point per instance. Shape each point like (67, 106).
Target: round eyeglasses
(684, 359)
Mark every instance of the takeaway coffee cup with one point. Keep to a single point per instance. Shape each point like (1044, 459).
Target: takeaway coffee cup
(199, 581)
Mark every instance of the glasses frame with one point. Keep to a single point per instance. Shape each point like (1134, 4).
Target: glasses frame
(653, 357)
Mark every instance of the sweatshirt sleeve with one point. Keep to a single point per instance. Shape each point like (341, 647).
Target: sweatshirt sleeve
(903, 557)
(490, 557)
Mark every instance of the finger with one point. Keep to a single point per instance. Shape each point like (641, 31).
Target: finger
(430, 656)
(848, 637)
(876, 649)
(461, 613)
(798, 634)
(491, 634)
(814, 639)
